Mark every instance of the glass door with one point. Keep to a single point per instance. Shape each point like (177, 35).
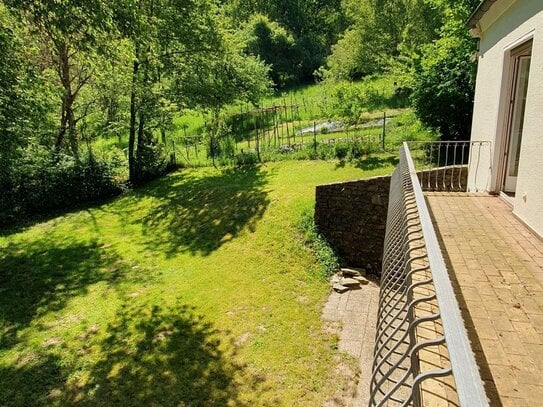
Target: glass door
(521, 75)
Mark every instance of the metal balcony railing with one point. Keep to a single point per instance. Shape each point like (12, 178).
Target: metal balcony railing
(445, 165)
(422, 353)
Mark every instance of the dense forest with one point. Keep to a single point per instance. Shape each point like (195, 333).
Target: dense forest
(74, 72)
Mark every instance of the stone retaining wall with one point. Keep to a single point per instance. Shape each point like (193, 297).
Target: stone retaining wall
(352, 215)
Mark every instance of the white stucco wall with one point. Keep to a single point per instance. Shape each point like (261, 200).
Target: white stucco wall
(508, 24)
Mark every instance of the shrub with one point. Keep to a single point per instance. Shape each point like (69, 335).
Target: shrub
(152, 162)
(357, 150)
(245, 159)
(444, 84)
(407, 127)
(326, 151)
(352, 100)
(275, 45)
(228, 146)
(41, 183)
(341, 150)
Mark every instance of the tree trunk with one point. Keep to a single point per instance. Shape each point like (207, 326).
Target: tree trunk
(62, 131)
(163, 135)
(140, 147)
(133, 113)
(68, 123)
(72, 130)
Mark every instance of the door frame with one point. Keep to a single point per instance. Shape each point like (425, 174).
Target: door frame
(522, 47)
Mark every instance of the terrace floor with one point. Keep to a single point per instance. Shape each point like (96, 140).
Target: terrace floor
(496, 266)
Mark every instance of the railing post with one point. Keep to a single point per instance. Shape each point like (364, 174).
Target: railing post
(384, 131)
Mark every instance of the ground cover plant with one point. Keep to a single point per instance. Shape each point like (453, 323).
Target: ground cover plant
(197, 289)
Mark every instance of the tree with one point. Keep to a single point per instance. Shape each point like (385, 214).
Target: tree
(12, 106)
(24, 97)
(71, 33)
(304, 29)
(212, 81)
(157, 31)
(271, 42)
(110, 92)
(380, 32)
(444, 81)
(183, 56)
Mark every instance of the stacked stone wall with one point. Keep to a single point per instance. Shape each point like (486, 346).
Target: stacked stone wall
(352, 215)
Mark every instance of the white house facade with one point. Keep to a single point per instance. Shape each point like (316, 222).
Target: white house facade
(508, 108)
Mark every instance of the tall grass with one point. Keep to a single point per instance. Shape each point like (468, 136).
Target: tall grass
(325, 256)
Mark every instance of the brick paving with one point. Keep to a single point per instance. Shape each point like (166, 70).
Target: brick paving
(496, 266)
(356, 312)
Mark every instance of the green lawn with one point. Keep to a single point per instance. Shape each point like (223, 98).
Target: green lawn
(196, 290)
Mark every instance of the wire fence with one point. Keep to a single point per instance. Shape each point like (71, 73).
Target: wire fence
(268, 132)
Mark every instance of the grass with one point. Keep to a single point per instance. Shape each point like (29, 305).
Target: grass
(195, 290)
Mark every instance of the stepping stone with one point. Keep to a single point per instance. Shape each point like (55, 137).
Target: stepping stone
(340, 288)
(350, 282)
(353, 272)
(361, 280)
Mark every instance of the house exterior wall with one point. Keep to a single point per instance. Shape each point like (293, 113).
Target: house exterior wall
(505, 26)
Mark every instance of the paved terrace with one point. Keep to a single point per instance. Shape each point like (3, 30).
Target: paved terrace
(496, 265)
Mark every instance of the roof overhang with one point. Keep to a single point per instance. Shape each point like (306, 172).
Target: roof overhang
(477, 15)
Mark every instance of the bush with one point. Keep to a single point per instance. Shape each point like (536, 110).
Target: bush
(341, 150)
(275, 45)
(228, 146)
(326, 151)
(358, 150)
(245, 159)
(352, 100)
(152, 163)
(41, 183)
(348, 150)
(444, 85)
(407, 127)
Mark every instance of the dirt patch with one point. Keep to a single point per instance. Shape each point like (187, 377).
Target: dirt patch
(346, 375)
(242, 339)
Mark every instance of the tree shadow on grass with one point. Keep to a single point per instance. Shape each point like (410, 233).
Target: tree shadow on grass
(30, 381)
(40, 277)
(147, 356)
(199, 214)
(166, 357)
(373, 162)
(27, 221)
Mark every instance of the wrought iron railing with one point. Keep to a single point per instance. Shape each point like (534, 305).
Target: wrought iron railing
(445, 165)
(422, 354)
